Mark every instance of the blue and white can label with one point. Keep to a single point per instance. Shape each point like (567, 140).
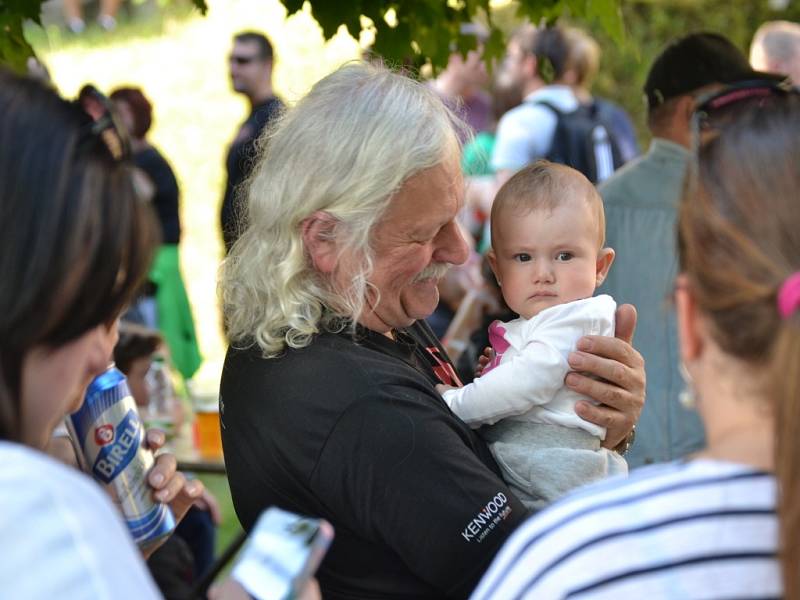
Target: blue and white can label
(109, 435)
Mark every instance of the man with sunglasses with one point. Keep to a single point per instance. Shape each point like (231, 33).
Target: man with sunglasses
(640, 202)
(251, 62)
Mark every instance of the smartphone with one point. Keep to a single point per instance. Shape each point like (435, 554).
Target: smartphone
(282, 552)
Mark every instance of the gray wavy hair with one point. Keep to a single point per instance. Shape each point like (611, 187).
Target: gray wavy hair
(345, 148)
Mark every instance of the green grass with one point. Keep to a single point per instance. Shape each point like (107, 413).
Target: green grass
(179, 59)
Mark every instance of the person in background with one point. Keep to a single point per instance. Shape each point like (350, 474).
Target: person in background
(73, 13)
(461, 84)
(505, 95)
(251, 62)
(165, 290)
(476, 162)
(776, 49)
(74, 246)
(584, 63)
(641, 202)
(537, 61)
(725, 522)
(136, 113)
(327, 398)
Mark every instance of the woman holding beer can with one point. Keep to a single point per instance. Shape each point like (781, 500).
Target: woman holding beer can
(75, 244)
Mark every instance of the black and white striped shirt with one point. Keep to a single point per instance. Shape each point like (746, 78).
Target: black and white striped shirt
(700, 529)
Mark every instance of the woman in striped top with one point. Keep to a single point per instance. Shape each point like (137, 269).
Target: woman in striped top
(726, 522)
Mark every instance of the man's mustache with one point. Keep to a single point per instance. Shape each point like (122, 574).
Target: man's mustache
(433, 271)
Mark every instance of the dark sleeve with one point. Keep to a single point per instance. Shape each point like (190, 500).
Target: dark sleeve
(166, 196)
(400, 473)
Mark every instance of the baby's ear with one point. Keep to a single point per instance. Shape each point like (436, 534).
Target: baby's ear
(492, 258)
(604, 259)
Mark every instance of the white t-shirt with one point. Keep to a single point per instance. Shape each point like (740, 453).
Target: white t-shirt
(60, 535)
(528, 382)
(699, 529)
(525, 133)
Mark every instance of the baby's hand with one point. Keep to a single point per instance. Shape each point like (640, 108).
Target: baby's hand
(483, 360)
(442, 388)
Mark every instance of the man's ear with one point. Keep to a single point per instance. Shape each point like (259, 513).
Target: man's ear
(319, 238)
(492, 258)
(604, 259)
(685, 108)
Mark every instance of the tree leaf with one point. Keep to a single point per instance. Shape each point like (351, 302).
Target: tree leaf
(292, 6)
(609, 14)
(394, 43)
(331, 15)
(25, 9)
(14, 49)
(201, 5)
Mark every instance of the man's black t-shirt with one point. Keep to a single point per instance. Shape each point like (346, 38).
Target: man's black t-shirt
(351, 429)
(239, 163)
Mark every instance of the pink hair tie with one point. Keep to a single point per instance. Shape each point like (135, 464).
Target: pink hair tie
(789, 295)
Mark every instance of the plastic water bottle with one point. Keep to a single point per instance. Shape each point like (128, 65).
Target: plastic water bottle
(160, 411)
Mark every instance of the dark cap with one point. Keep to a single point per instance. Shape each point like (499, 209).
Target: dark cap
(694, 61)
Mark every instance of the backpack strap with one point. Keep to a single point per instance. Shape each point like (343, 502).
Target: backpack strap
(552, 107)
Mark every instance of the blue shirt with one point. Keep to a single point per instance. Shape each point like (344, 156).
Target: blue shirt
(641, 202)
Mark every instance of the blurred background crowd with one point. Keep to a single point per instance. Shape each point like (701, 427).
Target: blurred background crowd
(194, 93)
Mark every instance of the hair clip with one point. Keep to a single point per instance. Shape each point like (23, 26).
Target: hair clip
(789, 295)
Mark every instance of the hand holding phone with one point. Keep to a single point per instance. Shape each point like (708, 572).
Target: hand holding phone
(281, 554)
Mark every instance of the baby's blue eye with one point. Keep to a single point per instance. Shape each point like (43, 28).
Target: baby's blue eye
(564, 256)
(522, 257)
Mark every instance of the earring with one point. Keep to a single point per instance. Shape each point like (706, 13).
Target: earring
(687, 397)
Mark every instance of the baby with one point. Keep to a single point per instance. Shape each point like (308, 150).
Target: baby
(548, 230)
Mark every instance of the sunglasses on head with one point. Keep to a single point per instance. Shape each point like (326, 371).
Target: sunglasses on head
(716, 109)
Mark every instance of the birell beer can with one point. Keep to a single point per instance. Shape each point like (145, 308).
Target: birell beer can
(108, 435)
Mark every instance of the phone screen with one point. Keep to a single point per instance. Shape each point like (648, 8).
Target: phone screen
(282, 552)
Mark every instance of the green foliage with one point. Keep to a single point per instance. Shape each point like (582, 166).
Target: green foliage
(406, 31)
(14, 48)
(418, 31)
(650, 24)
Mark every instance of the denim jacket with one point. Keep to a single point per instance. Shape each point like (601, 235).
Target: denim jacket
(641, 210)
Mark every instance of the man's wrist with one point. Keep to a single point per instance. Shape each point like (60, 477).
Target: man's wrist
(625, 445)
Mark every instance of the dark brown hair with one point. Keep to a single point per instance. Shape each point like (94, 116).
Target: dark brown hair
(74, 239)
(739, 239)
(135, 342)
(265, 51)
(141, 109)
(550, 47)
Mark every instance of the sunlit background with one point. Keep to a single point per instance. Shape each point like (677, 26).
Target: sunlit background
(179, 59)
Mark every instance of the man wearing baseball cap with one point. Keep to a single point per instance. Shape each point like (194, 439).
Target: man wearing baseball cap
(640, 203)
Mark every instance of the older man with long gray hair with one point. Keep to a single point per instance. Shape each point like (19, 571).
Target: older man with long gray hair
(327, 398)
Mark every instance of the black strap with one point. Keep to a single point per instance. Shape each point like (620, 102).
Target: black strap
(558, 112)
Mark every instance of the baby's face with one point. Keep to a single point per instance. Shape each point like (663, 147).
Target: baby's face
(543, 258)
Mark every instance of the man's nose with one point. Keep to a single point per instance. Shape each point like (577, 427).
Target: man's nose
(451, 245)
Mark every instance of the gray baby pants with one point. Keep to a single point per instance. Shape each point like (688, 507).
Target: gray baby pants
(541, 462)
